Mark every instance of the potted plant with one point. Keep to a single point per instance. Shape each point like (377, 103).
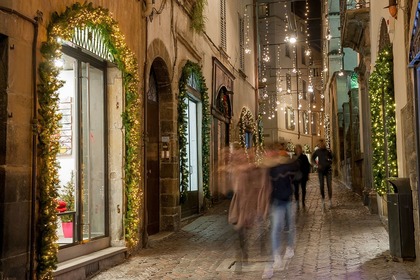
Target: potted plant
(66, 203)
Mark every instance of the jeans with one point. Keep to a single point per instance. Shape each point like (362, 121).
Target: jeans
(280, 212)
(321, 176)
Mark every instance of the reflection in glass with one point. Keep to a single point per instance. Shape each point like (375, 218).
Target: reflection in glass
(67, 157)
(82, 152)
(92, 114)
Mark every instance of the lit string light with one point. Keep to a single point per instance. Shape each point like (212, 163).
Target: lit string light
(382, 105)
(247, 31)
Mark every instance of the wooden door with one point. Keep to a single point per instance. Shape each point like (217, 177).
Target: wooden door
(152, 160)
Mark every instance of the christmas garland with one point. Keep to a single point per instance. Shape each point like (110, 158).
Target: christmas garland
(46, 243)
(63, 26)
(246, 121)
(189, 69)
(382, 105)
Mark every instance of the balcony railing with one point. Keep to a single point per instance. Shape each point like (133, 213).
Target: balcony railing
(354, 4)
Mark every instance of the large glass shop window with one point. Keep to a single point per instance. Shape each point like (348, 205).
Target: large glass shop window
(192, 146)
(82, 193)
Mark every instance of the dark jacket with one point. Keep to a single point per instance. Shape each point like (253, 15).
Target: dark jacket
(304, 167)
(324, 159)
(281, 181)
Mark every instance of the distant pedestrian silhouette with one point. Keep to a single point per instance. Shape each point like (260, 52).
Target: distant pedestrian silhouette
(323, 157)
(304, 168)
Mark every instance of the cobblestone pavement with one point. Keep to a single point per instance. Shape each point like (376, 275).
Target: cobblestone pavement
(344, 242)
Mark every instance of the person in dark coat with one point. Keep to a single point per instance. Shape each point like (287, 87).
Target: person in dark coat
(323, 158)
(302, 176)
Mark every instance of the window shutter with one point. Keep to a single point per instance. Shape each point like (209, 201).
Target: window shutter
(223, 24)
(241, 43)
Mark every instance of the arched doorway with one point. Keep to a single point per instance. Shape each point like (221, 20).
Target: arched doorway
(156, 147)
(221, 127)
(152, 156)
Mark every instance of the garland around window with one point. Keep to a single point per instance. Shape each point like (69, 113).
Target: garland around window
(190, 69)
(62, 26)
(247, 122)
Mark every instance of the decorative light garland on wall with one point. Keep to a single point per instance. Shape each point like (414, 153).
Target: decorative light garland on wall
(246, 121)
(189, 69)
(247, 30)
(49, 182)
(327, 130)
(382, 105)
(62, 26)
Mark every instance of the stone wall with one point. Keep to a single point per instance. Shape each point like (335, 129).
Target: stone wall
(18, 163)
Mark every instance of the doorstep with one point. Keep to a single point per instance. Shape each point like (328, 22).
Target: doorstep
(88, 265)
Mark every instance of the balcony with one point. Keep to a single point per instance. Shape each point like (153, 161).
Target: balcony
(354, 17)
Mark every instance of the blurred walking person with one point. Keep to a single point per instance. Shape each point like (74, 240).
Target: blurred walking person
(323, 158)
(302, 176)
(281, 172)
(251, 193)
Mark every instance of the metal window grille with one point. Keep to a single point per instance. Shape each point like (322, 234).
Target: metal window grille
(193, 82)
(92, 40)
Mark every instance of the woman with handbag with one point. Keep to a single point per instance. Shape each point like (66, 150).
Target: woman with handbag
(302, 176)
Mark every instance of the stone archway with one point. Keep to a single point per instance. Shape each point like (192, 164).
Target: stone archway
(165, 179)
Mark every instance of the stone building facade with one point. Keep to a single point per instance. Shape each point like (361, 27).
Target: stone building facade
(394, 25)
(115, 117)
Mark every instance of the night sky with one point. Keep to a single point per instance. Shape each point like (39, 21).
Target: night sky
(314, 20)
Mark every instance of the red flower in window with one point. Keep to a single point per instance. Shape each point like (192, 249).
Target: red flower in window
(62, 206)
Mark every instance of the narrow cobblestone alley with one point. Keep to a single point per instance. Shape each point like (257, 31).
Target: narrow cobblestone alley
(345, 242)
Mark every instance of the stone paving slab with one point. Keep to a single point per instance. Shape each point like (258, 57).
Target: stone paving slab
(344, 242)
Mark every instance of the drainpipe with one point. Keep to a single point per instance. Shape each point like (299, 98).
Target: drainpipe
(34, 133)
(145, 237)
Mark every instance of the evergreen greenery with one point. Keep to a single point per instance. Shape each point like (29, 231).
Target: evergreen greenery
(247, 123)
(192, 69)
(198, 20)
(68, 197)
(382, 105)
